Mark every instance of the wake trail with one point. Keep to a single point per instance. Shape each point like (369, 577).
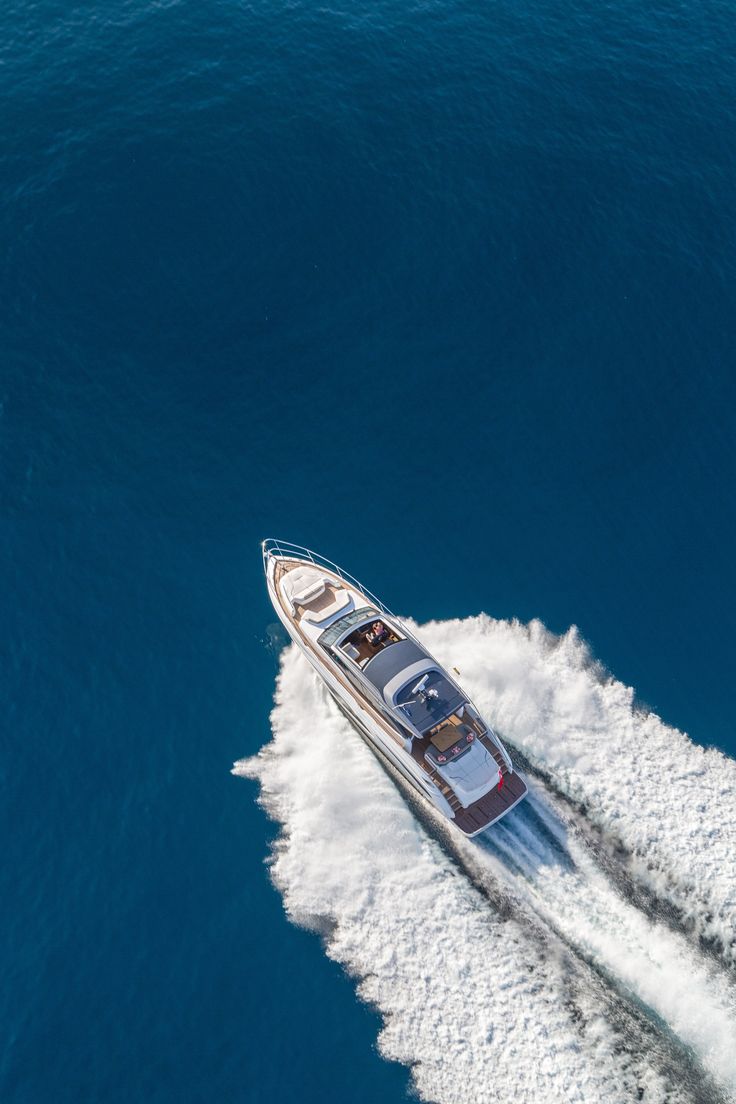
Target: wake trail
(554, 874)
(525, 973)
(668, 803)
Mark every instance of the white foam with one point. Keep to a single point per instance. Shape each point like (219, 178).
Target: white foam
(659, 967)
(671, 803)
(482, 1008)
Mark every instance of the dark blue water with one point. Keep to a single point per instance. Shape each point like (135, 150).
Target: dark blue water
(443, 290)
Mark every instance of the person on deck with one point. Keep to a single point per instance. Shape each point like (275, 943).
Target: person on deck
(378, 633)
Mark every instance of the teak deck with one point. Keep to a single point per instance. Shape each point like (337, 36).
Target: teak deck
(491, 805)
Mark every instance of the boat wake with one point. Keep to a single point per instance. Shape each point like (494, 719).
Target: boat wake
(669, 804)
(579, 950)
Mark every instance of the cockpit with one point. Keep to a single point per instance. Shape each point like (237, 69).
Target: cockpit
(439, 712)
(360, 636)
(367, 640)
(456, 735)
(427, 697)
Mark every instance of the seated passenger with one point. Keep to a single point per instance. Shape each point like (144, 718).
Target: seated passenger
(377, 633)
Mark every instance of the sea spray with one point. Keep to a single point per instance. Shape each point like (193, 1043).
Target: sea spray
(479, 1005)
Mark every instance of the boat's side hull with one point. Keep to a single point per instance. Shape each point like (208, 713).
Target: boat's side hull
(382, 753)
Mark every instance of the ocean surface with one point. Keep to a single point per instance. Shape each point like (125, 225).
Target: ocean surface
(446, 291)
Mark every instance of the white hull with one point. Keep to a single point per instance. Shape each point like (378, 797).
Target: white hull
(358, 699)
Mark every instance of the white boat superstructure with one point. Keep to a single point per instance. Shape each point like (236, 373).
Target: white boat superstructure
(403, 703)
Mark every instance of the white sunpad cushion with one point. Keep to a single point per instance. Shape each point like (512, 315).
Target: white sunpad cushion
(302, 585)
(339, 602)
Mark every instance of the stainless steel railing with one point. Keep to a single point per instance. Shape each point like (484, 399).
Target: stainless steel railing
(273, 547)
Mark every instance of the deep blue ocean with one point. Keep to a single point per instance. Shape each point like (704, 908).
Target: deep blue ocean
(445, 290)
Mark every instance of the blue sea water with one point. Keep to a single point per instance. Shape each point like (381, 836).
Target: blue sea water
(445, 290)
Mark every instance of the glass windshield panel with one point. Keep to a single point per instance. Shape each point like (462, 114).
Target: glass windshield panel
(335, 631)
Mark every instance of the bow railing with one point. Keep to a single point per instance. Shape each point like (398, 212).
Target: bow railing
(284, 549)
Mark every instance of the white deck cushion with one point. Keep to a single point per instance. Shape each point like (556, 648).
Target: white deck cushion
(339, 602)
(471, 776)
(303, 585)
(308, 594)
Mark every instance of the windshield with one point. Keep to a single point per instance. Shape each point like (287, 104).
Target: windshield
(337, 628)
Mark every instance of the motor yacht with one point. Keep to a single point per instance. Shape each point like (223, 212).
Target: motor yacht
(403, 703)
